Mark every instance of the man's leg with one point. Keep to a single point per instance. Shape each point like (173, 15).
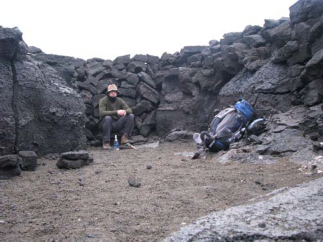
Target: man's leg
(106, 129)
(128, 123)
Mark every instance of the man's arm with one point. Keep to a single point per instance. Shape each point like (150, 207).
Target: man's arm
(103, 109)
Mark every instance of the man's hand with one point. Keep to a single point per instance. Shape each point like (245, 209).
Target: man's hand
(122, 112)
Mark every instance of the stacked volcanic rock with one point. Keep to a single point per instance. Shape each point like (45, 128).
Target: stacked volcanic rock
(74, 160)
(275, 67)
(135, 80)
(11, 165)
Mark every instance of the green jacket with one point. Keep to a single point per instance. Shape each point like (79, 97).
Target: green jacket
(107, 108)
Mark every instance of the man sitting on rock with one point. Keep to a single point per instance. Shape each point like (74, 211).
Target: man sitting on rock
(115, 115)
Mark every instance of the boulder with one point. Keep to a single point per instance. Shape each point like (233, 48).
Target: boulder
(118, 74)
(129, 101)
(230, 38)
(284, 53)
(45, 115)
(273, 79)
(122, 59)
(286, 142)
(251, 30)
(89, 135)
(28, 160)
(87, 86)
(94, 70)
(256, 58)
(254, 40)
(149, 93)
(132, 78)
(179, 135)
(119, 67)
(195, 58)
(283, 214)
(107, 64)
(9, 172)
(312, 94)
(51, 115)
(185, 76)
(128, 92)
(205, 81)
(125, 84)
(313, 68)
(315, 37)
(139, 139)
(92, 80)
(304, 10)
(9, 166)
(142, 58)
(147, 79)
(231, 60)
(106, 74)
(141, 107)
(271, 23)
(136, 66)
(72, 164)
(148, 124)
(279, 35)
(9, 42)
(152, 59)
(191, 50)
(9, 161)
(64, 65)
(34, 50)
(96, 99)
(75, 155)
(74, 160)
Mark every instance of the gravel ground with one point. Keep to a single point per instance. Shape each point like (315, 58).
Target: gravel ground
(101, 202)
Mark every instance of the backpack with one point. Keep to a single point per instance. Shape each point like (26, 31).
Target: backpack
(227, 126)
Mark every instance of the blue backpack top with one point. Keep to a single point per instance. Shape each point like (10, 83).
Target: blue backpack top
(244, 108)
(226, 126)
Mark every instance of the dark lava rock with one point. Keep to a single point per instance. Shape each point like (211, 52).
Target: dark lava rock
(292, 215)
(9, 161)
(133, 182)
(74, 160)
(72, 164)
(179, 135)
(75, 155)
(34, 95)
(254, 139)
(29, 160)
(9, 172)
(9, 166)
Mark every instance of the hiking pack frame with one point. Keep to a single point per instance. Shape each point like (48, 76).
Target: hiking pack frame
(226, 127)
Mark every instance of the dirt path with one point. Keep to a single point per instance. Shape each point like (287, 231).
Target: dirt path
(96, 203)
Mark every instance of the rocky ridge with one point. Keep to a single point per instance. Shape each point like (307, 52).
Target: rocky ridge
(276, 67)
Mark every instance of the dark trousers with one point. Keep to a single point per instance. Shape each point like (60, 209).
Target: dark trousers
(109, 125)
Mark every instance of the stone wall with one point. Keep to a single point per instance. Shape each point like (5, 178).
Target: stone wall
(275, 66)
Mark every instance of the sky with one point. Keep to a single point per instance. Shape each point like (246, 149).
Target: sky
(110, 28)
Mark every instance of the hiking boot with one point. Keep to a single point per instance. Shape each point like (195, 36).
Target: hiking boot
(124, 139)
(106, 146)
